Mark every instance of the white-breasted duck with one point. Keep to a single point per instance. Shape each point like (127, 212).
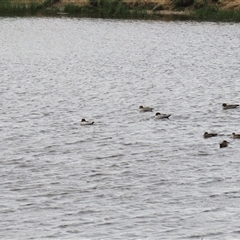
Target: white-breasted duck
(84, 122)
(159, 115)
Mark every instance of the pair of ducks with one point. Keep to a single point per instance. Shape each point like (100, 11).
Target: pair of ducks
(225, 106)
(224, 143)
(158, 115)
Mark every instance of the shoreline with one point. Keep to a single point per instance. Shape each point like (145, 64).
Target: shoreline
(208, 10)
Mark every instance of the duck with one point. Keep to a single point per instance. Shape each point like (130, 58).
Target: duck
(208, 135)
(223, 144)
(229, 106)
(145, 109)
(234, 135)
(159, 115)
(84, 122)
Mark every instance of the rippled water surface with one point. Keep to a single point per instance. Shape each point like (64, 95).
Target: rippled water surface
(127, 176)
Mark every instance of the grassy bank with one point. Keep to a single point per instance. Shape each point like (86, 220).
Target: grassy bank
(180, 10)
(95, 9)
(214, 14)
(105, 9)
(17, 8)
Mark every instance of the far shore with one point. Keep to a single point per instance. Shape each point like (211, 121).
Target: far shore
(213, 10)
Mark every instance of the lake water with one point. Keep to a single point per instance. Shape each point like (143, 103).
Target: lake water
(127, 176)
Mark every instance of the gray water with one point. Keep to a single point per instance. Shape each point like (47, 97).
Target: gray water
(127, 176)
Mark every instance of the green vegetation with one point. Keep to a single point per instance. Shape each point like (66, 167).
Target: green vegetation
(201, 10)
(7, 7)
(105, 9)
(183, 3)
(206, 10)
(95, 8)
(214, 14)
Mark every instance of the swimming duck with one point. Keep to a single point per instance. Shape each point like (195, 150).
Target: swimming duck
(159, 115)
(229, 106)
(234, 135)
(84, 122)
(223, 144)
(208, 135)
(145, 109)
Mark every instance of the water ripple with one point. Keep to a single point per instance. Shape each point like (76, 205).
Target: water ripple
(127, 176)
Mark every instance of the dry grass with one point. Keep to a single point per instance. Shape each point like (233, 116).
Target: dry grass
(230, 4)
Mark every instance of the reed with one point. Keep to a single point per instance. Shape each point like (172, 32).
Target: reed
(116, 9)
(73, 9)
(214, 14)
(105, 9)
(4, 6)
(18, 8)
(113, 8)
